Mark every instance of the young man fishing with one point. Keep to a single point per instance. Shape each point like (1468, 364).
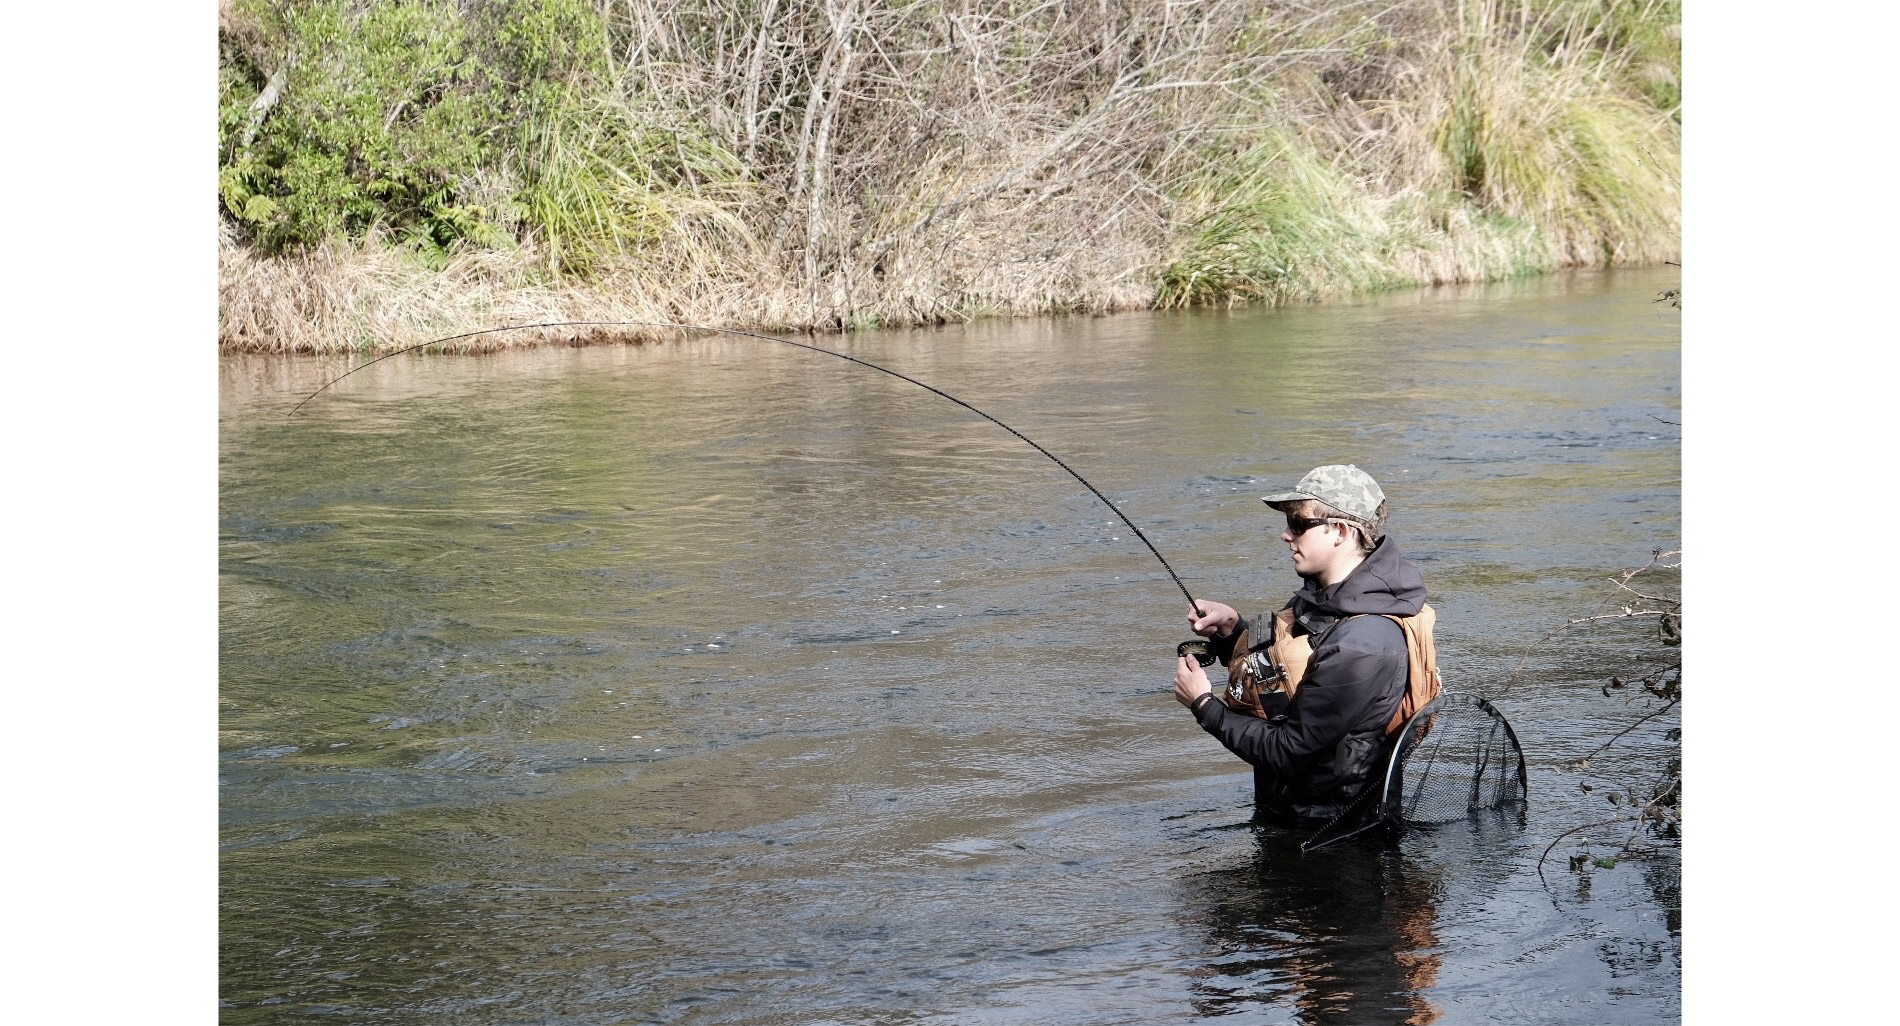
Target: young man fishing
(1316, 689)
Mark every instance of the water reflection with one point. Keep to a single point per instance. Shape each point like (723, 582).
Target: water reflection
(1345, 935)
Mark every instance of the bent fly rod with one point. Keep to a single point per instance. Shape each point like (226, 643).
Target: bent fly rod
(801, 345)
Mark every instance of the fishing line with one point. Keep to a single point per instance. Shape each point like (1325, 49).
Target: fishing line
(801, 345)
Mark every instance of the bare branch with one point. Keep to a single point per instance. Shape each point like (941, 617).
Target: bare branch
(1623, 583)
(1605, 746)
(1559, 838)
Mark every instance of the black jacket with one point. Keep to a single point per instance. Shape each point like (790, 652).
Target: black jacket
(1313, 754)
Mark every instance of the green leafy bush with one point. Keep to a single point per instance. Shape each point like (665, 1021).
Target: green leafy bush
(388, 112)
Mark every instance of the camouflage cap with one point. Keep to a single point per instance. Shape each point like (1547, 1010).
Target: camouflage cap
(1344, 487)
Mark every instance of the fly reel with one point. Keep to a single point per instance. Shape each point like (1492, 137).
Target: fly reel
(1196, 648)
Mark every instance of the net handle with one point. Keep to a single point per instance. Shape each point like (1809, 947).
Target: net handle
(1402, 747)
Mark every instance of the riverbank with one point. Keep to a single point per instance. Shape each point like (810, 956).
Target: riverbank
(391, 174)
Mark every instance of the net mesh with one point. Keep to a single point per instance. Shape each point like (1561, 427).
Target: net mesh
(1455, 758)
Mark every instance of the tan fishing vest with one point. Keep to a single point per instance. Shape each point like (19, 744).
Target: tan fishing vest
(1281, 666)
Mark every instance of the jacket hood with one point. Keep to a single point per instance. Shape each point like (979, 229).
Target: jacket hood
(1385, 583)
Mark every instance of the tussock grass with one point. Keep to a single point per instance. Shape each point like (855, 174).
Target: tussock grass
(798, 164)
(603, 182)
(1274, 223)
(1545, 138)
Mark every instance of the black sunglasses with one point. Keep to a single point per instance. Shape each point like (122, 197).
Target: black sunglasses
(1300, 525)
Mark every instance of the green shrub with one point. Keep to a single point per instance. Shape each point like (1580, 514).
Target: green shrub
(389, 111)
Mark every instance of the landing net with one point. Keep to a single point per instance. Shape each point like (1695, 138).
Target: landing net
(1457, 757)
(1454, 759)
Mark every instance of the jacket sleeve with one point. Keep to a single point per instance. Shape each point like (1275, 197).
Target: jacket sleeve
(1355, 680)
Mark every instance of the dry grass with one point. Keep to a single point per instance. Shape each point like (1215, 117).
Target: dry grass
(373, 297)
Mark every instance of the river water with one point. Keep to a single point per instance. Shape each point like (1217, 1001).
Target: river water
(719, 682)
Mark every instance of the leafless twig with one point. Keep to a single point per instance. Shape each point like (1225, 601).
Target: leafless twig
(1600, 749)
(1559, 839)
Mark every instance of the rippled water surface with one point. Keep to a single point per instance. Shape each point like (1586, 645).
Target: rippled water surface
(721, 682)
